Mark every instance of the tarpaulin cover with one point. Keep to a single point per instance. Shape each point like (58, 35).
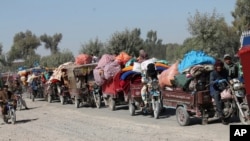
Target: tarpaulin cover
(193, 58)
(244, 54)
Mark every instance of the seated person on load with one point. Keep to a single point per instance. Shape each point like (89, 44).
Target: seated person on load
(142, 56)
(149, 74)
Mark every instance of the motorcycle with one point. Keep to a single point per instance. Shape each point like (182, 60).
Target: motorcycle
(39, 93)
(10, 113)
(153, 98)
(97, 95)
(53, 92)
(233, 97)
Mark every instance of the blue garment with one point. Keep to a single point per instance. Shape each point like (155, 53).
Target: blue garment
(34, 85)
(214, 78)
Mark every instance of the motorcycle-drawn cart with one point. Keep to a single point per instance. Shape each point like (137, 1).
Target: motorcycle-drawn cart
(199, 103)
(114, 93)
(82, 86)
(153, 97)
(56, 86)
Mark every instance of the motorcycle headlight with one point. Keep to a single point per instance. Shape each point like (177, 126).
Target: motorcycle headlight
(237, 86)
(240, 93)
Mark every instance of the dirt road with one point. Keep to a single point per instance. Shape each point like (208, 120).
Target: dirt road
(53, 121)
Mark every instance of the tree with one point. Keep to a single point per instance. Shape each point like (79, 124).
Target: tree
(154, 46)
(24, 46)
(2, 56)
(57, 59)
(93, 47)
(51, 42)
(128, 41)
(211, 34)
(241, 15)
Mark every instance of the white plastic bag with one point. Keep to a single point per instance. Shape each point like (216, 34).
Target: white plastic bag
(137, 67)
(144, 64)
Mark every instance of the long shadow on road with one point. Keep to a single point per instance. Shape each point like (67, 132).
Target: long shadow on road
(25, 121)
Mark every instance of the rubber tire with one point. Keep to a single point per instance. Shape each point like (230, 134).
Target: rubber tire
(77, 103)
(13, 117)
(19, 106)
(112, 104)
(98, 101)
(5, 119)
(49, 98)
(245, 110)
(131, 108)
(156, 110)
(182, 116)
(61, 99)
(33, 97)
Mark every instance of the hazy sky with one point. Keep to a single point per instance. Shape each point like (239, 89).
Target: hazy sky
(82, 20)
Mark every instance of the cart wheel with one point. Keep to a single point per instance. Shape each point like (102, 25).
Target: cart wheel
(131, 108)
(61, 99)
(49, 98)
(204, 121)
(182, 116)
(77, 103)
(112, 104)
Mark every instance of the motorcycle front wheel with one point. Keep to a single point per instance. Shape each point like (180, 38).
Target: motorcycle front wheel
(13, 116)
(156, 108)
(19, 105)
(245, 110)
(97, 98)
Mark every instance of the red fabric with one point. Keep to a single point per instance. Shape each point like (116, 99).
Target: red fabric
(83, 59)
(123, 57)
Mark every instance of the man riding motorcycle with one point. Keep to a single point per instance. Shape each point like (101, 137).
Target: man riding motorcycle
(217, 76)
(17, 89)
(5, 96)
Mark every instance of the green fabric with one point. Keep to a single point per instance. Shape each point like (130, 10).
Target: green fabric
(240, 69)
(163, 61)
(182, 81)
(131, 61)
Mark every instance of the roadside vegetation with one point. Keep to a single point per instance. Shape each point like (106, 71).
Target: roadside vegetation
(209, 32)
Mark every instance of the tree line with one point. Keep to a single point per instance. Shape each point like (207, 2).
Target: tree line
(209, 33)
